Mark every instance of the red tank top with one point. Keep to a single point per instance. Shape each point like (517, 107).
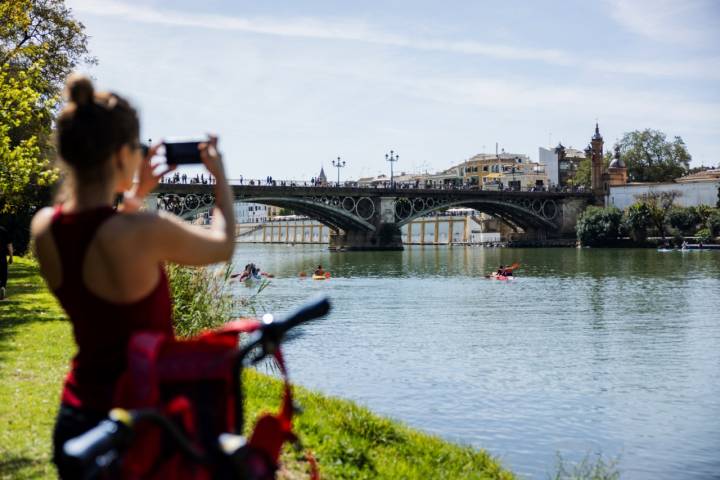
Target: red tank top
(102, 328)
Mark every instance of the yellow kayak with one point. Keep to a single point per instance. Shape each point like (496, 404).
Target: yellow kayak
(319, 277)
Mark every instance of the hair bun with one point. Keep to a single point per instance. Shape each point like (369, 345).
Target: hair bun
(79, 89)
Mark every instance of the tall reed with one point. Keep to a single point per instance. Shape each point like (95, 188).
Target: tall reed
(201, 297)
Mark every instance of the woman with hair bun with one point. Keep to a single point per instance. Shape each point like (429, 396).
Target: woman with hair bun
(106, 265)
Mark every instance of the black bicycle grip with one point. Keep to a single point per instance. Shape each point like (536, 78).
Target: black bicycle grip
(314, 308)
(100, 439)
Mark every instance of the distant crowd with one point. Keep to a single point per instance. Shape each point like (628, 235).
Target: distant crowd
(269, 181)
(185, 178)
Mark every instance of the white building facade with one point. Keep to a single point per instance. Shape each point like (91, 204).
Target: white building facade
(691, 193)
(251, 212)
(548, 157)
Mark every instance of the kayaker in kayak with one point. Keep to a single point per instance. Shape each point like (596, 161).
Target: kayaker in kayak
(504, 271)
(319, 271)
(251, 272)
(246, 273)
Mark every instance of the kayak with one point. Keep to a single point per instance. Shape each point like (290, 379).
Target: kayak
(495, 276)
(251, 279)
(319, 277)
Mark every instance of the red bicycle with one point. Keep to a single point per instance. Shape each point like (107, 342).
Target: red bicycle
(180, 412)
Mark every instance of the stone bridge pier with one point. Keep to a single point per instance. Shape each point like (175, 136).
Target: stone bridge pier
(384, 236)
(371, 219)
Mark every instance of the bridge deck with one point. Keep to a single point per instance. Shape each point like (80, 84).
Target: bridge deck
(302, 191)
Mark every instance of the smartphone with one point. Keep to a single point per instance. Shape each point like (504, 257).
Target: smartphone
(182, 153)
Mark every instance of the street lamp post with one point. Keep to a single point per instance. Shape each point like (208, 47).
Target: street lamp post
(338, 164)
(392, 158)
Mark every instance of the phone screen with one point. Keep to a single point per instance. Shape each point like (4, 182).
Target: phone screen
(181, 153)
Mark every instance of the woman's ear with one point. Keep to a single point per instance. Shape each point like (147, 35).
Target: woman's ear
(124, 168)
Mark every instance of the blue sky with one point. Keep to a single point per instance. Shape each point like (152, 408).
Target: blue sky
(289, 86)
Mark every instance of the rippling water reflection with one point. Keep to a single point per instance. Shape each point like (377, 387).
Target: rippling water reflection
(615, 351)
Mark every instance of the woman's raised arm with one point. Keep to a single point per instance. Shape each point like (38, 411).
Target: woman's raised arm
(176, 241)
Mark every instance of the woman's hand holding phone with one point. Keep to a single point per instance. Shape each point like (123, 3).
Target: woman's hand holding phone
(148, 179)
(211, 157)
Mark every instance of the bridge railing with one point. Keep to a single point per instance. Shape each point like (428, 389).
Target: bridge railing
(376, 185)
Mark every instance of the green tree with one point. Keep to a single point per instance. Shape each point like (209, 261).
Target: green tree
(42, 33)
(583, 174)
(598, 226)
(658, 206)
(636, 221)
(685, 219)
(40, 44)
(650, 157)
(713, 223)
(24, 171)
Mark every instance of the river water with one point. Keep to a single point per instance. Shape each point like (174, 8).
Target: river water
(586, 351)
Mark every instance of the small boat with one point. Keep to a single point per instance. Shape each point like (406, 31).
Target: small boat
(251, 280)
(509, 269)
(495, 276)
(698, 246)
(319, 277)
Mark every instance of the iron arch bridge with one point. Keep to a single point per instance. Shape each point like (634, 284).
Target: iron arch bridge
(370, 218)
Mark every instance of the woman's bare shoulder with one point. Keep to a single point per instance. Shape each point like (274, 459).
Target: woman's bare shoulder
(142, 225)
(41, 221)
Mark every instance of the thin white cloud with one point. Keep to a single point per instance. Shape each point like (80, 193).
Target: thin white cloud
(688, 22)
(309, 28)
(360, 32)
(516, 96)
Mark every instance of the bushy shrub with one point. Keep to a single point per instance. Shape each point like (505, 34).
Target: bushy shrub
(685, 219)
(713, 223)
(598, 226)
(637, 219)
(704, 212)
(704, 235)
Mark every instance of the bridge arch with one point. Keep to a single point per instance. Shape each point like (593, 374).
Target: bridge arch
(334, 216)
(511, 213)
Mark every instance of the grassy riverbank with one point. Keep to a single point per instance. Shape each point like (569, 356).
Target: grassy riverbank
(349, 441)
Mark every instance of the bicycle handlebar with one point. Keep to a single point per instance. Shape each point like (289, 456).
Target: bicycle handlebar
(106, 436)
(272, 332)
(314, 308)
(117, 432)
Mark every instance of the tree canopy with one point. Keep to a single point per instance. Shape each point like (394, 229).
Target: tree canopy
(42, 34)
(24, 168)
(40, 44)
(650, 157)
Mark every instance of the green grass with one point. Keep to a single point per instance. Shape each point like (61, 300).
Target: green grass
(349, 441)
